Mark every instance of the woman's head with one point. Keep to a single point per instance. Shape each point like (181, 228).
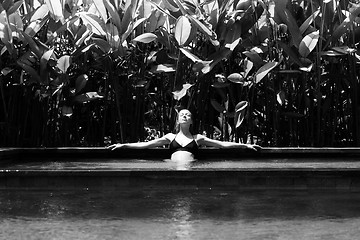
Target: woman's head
(184, 118)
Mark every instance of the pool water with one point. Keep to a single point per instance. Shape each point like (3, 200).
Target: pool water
(136, 164)
(178, 214)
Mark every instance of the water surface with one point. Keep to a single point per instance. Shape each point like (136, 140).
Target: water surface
(136, 164)
(178, 214)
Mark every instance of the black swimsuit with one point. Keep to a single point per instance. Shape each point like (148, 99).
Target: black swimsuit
(190, 147)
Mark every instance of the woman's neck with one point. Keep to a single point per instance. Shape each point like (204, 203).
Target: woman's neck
(185, 130)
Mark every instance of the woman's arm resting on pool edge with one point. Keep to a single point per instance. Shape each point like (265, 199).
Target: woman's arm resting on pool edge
(142, 145)
(202, 140)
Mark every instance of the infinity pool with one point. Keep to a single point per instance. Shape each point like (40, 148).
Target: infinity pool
(178, 214)
(270, 196)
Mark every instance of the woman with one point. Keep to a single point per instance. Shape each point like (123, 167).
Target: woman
(184, 144)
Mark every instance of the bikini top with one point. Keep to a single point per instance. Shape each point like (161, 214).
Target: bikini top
(190, 147)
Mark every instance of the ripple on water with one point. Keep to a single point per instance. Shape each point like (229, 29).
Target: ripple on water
(178, 214)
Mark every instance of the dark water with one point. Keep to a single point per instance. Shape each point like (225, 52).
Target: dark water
(178, 214)
(135, 164)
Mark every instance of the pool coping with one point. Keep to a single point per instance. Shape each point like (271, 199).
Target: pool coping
(10, 156)
(242, 178)
(238, 180)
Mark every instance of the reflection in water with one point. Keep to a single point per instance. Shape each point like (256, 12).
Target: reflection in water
(179, 164)
(178, 214)
(181, 217)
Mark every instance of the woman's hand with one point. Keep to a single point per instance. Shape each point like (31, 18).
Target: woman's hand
(253, 147)
(116, 146)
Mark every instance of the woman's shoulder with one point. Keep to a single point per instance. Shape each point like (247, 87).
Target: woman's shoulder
(170, 136)
(198, 137)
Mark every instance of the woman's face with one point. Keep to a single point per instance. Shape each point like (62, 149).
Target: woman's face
(184, 116)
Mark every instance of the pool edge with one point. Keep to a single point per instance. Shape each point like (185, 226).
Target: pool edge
(277, 178)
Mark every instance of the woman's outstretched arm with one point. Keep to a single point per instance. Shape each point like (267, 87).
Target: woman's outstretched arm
(202, 140)
(142, 145)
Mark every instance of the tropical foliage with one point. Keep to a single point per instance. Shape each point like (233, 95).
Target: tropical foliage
(90, 72)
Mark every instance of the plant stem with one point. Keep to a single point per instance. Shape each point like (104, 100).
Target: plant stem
(3, 98)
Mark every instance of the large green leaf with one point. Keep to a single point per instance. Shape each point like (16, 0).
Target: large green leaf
(163, 68)
(290, 52)
(225, 5)
(344, 27)
(280, 97)
(15, 7)
(39, 13)
(203, 67)
(159, 8)
(191, 56)
(56, 9)
(16, 24)
(243, 5)
(129, 13)
(31, 71)
(307, 23)
(211, 9)
(28, 58)
(182, 7)
(112, 35)
(248, 65)
(206, 66)
(240, 110)
(308, 43)
(33, 46)
(93, 23)
(171, 5)
(87, 97)
(100, 7)
(233, 35)
(64, 63)
(34, 27)
(43, 63)
(287, 18)
(80, 82)
(6, 71)
(250, 17)
(344, 49)
(236, 78)
(131, 28)
(102, 44)
(255, 58)
(81, 35)
(145, 38)
(155, 20)
(115, 18)
(307, 68)
(264, 70)
(181, 93)
(66, 111)
(5, 31)
(209, 34)
(6, 4)
(182, 30)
